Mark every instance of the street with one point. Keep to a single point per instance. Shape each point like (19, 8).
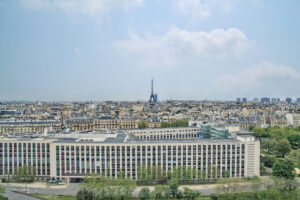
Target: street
(73, 188)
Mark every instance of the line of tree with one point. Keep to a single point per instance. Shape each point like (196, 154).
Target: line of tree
(101, 187)
(168, 192)
(227, 187)
(157, 173)
(276, 134)
(24, 173)
(179, 123)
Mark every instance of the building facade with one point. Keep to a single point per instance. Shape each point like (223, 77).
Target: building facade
(34, 126)
(105, 122)
(67, 156)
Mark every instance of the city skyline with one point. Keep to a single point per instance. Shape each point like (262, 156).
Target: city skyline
(193, 49)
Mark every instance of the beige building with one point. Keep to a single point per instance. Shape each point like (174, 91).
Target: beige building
(107, 122)
(293, 119)
(69, 156)
(113, 123)
(34, 126)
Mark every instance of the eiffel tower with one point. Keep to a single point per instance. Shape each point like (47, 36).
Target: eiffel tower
(152, 98)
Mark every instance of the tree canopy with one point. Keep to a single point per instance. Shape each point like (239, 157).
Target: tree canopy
(284, 168)
(144, 194)
(283, 147)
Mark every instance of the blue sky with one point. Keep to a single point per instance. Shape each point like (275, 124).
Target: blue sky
(110, 49)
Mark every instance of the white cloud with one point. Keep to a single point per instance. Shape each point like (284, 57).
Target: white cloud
(178, 45)
(259, 80)
(202, 9)
(78, 8)
(76, 51)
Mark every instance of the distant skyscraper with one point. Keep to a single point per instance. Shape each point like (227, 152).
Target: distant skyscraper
(255, 99)
(275, 100)
(298, 100)
(238, 100)
(288, 100)
(155, 98)
(244, 100)
(265, 100)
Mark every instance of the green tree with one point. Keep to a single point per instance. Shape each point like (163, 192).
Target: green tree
(153, 172)
(142, 173)
(25, 173)
(179, 195)
(111, 193)
(157, 192)
(283, 147)
(142, 124)
(127, 186)
(203, 174)
(90, 184)
(269, 145)
(190, 194)
(259, 133)
(263, 170)
(189, 173)
(84, 194)
(121, 175)
(167, 192)
(294, 139)
(178, 173)
(173, 186)
(181, 123)
(226, 174)
(268, 160)
(144, 194)
(296, 156)
(194, 171)
(101, 186)
(284, 168)
(277, 132)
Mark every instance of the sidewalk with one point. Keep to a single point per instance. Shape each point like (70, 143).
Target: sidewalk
(36, 185)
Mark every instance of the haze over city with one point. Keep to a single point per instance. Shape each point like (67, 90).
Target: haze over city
(110, 50)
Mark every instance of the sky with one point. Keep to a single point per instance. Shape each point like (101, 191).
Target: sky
(66, 50)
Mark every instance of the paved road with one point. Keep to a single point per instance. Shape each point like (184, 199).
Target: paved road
(73, 188)
(17, 196)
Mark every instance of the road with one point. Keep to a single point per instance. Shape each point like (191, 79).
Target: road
(73, 188)
(17, 196)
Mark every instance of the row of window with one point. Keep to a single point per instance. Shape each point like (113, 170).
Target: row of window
(165, 131)
(13, 155)
(109, 160)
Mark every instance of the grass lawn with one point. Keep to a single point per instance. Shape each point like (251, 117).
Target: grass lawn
(53, 197)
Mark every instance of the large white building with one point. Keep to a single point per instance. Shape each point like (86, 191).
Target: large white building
(74, 155)
(293, 119)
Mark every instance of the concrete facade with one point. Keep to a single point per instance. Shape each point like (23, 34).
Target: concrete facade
(67, 156)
